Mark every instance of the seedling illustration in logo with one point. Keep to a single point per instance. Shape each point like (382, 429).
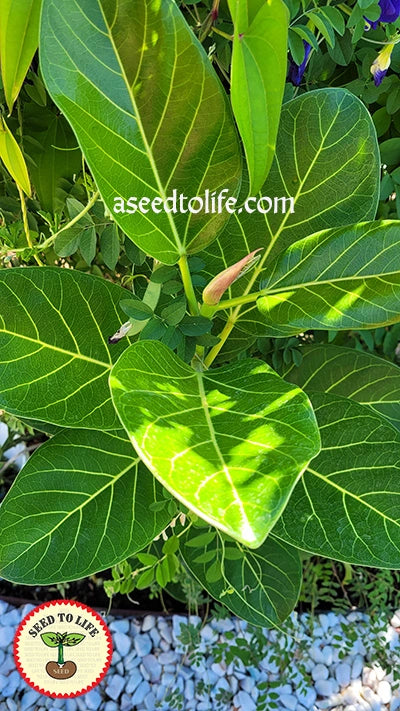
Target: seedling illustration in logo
(63, 648)
(61, 669)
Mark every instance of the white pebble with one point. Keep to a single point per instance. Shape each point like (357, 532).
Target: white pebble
(384, 692)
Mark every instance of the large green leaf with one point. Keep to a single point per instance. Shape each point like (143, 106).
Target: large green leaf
(80, 505)
(343, 278)
(229, 443)
(19, 36)
(350, 373)
(347, 504)
(54, 357)
(148, 111)
(256, 91)
(260, 586)
(327, 159)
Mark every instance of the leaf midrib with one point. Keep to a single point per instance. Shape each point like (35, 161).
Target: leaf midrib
(142, 132)
(79, 355)
(345, 492)
(225, 468)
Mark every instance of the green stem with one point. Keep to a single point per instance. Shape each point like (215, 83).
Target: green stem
(188, 286)
(25, 222)
(238, 300)
(222, 33)
(60, 659)
(48, 242)
(223, 337)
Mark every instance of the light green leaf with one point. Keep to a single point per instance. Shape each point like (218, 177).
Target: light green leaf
(80, 505)
(346, 505)
(337, 279)
(13, 159)
(50, 639)
(19, 35)
(229, 443)
(72, 639)
(148, 110)
(327, 159)
(54, 356)
(260, 586)
(258, 74)
(354, 374)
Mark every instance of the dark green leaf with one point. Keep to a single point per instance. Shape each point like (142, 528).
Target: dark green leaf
(80, 505)
(148, 110)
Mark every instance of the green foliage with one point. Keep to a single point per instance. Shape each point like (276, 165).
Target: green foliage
(109, 329)
(134, 95)
(260, 38)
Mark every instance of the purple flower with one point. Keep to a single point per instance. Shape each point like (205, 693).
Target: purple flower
(296, 71)
(381, 64)
(390, 12)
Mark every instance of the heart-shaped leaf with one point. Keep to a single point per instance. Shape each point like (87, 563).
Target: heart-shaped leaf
(346, 505)
(260, 586)
(148, 110)
(80, 505)
(229, 443)
(350, 373)
(258, 74)
(54, 357)
(344, 278)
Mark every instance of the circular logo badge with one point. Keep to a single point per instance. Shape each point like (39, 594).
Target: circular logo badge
(63, 649)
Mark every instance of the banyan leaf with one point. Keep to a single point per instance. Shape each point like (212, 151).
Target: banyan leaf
(258, 74)
(327, 159)
(148, 111)
(50, 639)
(54, 356)
(260, 586)
(229, 443)
(346, 505)
(80, 505)
(347, 372)
(339, 279)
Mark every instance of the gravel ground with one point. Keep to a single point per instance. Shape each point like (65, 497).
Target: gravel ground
(327, 662)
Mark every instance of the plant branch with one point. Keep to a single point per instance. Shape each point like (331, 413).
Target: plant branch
(48, 242)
